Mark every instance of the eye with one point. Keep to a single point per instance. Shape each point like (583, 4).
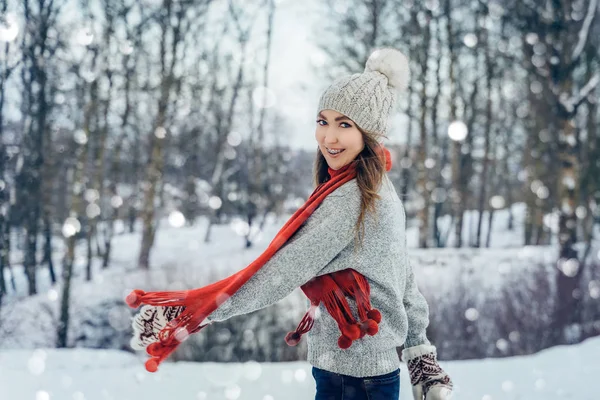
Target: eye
(321, 120)
(349, 126)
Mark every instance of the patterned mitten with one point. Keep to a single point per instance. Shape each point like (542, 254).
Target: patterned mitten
(428, 379)
(151, 320)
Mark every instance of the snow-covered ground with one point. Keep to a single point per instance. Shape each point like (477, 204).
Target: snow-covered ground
(565, 372)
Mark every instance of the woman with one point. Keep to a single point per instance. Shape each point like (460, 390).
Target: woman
(346, 249)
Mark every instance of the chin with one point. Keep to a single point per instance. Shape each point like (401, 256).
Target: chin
(337, 165)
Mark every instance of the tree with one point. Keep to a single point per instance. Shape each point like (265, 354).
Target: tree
(37, 48)
(173, 19)
(7, 67)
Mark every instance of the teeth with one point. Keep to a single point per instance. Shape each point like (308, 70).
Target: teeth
(333, 151)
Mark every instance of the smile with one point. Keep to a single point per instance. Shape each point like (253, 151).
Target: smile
(334, 152)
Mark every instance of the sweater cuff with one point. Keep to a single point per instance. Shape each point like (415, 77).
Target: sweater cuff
(417, 351)
(415, 339)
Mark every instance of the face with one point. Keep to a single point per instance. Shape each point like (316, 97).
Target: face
(336, 132)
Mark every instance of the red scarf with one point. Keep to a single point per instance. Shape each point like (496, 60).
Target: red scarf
(331, 289)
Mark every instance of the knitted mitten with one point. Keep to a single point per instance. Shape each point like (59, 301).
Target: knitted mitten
(428, 379)
(151, 320)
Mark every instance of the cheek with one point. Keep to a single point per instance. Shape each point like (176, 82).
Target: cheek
(357, 140)
(318, 135)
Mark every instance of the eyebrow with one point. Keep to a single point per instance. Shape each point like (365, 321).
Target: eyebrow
(337, 118)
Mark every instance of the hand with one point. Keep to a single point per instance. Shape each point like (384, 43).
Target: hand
(151, 320)
(428, 379)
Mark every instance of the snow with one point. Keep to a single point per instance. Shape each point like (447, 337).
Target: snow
(564, 372)
(30, 369)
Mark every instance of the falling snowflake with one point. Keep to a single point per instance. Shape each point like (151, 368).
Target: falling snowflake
(176, 219)
(497, 202)
(70, 227)
(160, 132)
(215, 202)
(471, 314)
(9, 29)
(470, 40)
(457, 131)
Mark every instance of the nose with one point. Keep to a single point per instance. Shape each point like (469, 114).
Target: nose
(330, 137)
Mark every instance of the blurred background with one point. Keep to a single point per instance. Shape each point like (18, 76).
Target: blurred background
(161, 144)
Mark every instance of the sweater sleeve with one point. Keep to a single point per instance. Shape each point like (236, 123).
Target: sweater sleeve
(319, 240)
(417, 310)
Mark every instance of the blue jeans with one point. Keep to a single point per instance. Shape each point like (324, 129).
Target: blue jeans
(332, 386)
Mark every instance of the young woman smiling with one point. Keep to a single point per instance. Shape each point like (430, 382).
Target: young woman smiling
(345, 248)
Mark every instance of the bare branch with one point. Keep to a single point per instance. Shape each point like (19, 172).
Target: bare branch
(585, 30)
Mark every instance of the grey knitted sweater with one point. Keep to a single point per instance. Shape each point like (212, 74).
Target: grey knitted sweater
(324, 244)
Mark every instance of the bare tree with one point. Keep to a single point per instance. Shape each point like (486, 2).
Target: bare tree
(72, 226)
(456, 194)
(37, 48)
(224, 117)
(129, 63)
(7, 67)
(260, 189)
(173, 20)
(490, 72)
(422, 59)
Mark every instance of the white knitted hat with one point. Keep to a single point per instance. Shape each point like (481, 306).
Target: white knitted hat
(368, 98)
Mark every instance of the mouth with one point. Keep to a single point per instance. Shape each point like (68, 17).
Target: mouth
(334, 152)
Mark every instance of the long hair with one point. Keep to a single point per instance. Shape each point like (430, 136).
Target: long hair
(370, 167)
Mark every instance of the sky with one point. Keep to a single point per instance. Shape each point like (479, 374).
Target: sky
(291, 76)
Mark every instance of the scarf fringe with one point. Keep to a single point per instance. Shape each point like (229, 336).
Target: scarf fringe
(332, 289)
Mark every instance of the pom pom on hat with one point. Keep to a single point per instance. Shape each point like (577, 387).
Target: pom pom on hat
(393, 64)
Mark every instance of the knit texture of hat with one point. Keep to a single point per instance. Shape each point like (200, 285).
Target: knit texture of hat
(369, 98)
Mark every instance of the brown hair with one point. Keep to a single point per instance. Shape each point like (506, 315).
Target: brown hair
(370, 168)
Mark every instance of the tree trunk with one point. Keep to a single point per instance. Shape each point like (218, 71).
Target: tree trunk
(440, 151)
(489, 69)
(223, 128)
(76, 213)
(170, 34)
(89, 232)
(5, 72)
(115, 172)
(48, 248)
(404, 164)
(131, 218)
(154, 169)
(99, 156)
(423, 177)
(4, 221)
(488, 238)
(568, 187)
(62, 338)
(457, 201)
